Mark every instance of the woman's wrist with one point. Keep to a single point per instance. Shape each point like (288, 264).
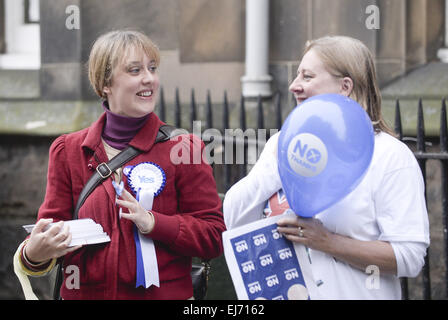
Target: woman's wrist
(31, 269)
(150, 225)
(31, 265)
(30, 261)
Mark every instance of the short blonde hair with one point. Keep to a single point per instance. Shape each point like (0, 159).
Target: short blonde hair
(348, 57)
(110, 49)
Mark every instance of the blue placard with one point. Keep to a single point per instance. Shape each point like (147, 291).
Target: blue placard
(269, 266)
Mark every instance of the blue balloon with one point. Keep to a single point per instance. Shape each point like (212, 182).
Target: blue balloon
(324, 150)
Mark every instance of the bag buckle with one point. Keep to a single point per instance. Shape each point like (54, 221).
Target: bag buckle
(104, 170)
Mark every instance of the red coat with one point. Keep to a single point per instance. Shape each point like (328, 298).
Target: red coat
(188, 217)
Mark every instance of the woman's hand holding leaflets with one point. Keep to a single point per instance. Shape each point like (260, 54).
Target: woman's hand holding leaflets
(49, 243)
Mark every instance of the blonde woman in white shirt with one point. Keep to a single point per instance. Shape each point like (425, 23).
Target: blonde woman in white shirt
(382, 225)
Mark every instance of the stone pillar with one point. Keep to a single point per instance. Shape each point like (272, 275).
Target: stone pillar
(257, 82)
(61, 66)
(442, 54)
(424, 31)
(2, 26)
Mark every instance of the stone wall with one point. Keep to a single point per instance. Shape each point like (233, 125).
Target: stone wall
(23, 167)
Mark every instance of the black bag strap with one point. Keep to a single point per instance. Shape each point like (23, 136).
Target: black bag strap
(105, 170)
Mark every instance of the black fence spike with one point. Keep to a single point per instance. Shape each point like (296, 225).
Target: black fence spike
(209, 113)
(399, 131)
(404, 288)
(225, 125)
(243, 115)
(162, 113)
(398, 124)
(420, 128)
(444, 185)
(225, 112)
(421, 148)
(193, 115)
(242, 167)
(443, 128)
(294, 101)
(260, 121)
(278, 108)
(177, 116)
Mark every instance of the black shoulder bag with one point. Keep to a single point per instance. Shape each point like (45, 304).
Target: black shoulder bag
(199, 272)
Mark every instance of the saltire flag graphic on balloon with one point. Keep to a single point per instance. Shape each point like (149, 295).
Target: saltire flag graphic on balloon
(325, 148)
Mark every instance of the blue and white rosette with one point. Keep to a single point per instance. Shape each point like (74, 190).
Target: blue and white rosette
(146, 180)
(147, 176)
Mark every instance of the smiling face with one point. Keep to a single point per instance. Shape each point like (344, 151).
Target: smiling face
(313, 79)
(134, 85)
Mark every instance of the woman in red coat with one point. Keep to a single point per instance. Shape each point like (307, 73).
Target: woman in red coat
(178, 208)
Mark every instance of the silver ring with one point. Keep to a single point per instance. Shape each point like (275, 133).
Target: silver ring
(300, 232)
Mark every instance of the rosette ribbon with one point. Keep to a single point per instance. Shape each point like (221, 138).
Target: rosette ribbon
(147, 268)
(146, 180)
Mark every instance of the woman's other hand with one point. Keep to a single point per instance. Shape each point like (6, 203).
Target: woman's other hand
(307, 231)
(360, 254)
(143, 219)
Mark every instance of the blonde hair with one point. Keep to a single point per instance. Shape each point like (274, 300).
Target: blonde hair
(347, 57)
(110, 49)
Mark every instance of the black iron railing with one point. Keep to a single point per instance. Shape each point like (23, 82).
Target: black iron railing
(228, 172)
(422, 158)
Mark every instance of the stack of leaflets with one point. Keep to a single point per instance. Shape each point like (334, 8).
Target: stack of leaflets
(84, 231)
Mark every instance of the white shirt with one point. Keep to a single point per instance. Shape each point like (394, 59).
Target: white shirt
(387, 205)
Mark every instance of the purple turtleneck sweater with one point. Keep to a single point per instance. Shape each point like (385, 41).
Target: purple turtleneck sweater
(119, 130)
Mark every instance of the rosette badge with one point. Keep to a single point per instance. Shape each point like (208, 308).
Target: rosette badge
(146, 176)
